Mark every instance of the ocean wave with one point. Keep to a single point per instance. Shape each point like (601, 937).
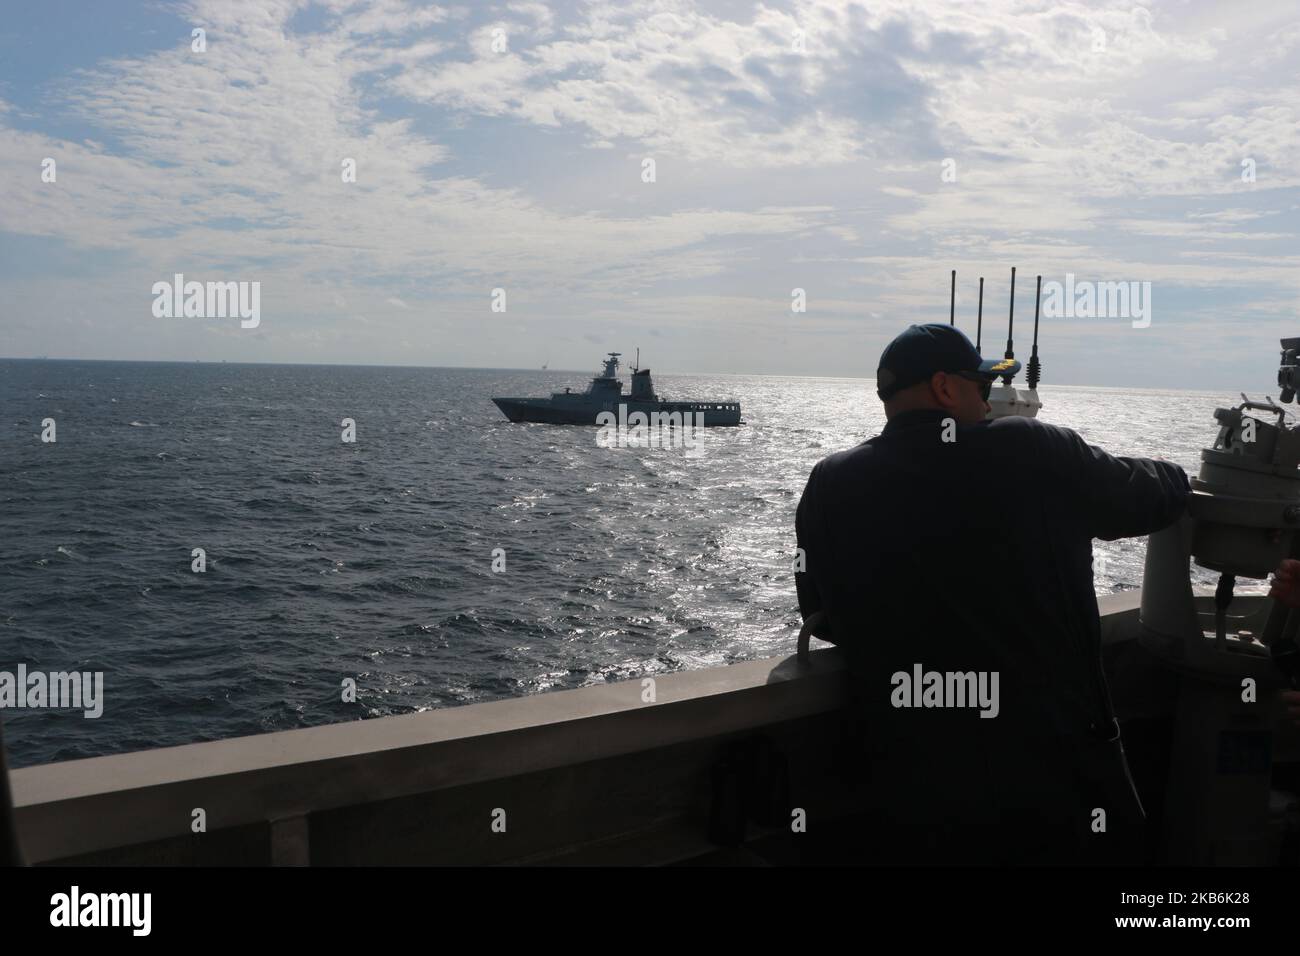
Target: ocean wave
(319, 554)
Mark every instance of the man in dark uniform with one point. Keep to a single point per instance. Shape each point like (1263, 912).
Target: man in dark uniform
(951, 557)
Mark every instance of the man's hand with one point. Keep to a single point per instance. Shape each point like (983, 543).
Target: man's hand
(1286, 583)
(1286, 588)
(1292, 700)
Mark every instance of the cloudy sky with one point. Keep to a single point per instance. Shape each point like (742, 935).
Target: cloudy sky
(858, 153)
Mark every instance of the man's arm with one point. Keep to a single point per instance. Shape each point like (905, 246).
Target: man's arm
(1124, 497)
(807, 540)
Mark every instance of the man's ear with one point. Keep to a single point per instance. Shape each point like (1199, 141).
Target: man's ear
(942, 390)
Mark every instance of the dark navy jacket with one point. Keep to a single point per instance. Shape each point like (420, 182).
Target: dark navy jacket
(974, 554)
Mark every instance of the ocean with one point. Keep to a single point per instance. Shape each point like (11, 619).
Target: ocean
(374, 560)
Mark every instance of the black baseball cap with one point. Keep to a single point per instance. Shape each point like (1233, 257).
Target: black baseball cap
(921, 350)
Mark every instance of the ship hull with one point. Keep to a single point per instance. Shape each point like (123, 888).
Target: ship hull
(549, 411)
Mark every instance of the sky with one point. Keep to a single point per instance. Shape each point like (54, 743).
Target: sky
(858, 153)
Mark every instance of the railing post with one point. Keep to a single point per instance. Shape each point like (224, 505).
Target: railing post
(291, 841)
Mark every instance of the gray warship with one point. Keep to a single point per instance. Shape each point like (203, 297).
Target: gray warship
(605, 395)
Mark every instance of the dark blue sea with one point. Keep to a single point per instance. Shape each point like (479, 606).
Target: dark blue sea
(374, 560)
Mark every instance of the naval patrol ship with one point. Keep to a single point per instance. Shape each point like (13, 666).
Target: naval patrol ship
(605, 396)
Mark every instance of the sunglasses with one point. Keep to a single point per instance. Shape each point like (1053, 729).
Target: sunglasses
(985, 384)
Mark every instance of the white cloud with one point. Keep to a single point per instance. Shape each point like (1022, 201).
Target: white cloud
(1113, 161)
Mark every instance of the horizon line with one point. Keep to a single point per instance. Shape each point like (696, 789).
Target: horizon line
(495, 368)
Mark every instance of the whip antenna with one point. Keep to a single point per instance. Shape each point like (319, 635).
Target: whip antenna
(1032, 375)
(1011, 316)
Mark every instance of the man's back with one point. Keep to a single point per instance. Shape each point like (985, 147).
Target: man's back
(973, 555)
